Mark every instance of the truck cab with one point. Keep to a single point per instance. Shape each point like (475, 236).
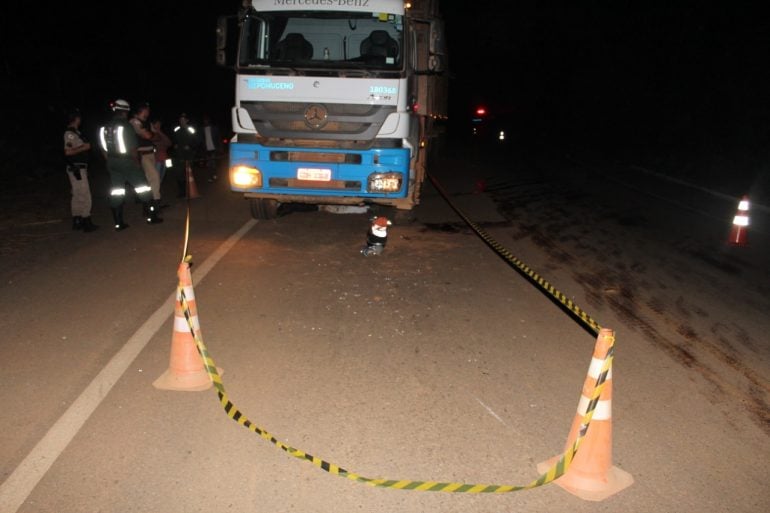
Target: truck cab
(336, 102)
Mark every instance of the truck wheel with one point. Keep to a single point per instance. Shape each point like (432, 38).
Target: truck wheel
(403, 216)
(263, 209)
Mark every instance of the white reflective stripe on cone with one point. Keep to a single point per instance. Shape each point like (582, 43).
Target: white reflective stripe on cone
(596, 368)
(603, 410)
(181, 325)
(189, 293)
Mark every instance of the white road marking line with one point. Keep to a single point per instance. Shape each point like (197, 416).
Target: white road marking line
(15, 490)
(490, 411)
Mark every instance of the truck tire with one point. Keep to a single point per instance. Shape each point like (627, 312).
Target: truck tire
(403, 216)
(263, 209)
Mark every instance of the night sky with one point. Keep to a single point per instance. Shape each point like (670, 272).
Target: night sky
(669, 73)
(80, 55)
(600, 74)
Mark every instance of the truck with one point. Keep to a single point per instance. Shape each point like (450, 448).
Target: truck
(337, 102)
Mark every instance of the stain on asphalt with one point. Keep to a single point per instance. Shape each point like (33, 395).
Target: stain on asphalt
(682, 308)
(444, 227)
(602, 288)
(539, 212)
(657, 305)
(718, 263)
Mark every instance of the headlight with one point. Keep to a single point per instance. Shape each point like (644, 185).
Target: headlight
(245, 177)
(385, 182)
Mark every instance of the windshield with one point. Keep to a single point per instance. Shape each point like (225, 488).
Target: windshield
(322, 39)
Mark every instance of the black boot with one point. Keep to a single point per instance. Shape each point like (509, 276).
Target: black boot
(77, 223)
(117, 216)
(151, 213)
(88, 225)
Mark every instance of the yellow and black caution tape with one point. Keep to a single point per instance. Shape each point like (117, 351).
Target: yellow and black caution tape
(556, 471)
(563, 301)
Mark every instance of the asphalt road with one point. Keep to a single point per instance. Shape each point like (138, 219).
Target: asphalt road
(436, 361)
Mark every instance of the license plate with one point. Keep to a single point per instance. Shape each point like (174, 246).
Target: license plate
(315, 174)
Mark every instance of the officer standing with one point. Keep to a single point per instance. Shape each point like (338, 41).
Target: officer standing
(76, 155)
(146, 149)
(186, 142)
(119, 145)
(212, 143)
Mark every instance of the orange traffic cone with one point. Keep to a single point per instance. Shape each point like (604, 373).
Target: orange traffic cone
(591, 475)
(192, 189)
(186, 371)
(740, 224)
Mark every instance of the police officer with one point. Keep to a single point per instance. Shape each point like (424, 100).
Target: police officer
(76, 155)
(146, 149)
(186, 142)
(119, 145)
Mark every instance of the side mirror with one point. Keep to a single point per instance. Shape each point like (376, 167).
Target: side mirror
(437, 35)
(437, 47)
(227, 36)
(436, 63)
(221, 32)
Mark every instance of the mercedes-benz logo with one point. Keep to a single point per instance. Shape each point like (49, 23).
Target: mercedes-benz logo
(315, 116)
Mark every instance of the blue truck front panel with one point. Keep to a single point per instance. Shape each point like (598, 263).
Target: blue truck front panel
(348, 173)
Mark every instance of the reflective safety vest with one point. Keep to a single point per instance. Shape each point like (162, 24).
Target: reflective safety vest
(118, 139)
(186, 141)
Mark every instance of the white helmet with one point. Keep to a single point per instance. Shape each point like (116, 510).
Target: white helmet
(120, 105)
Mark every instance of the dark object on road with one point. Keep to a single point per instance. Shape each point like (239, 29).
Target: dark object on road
(377, 236)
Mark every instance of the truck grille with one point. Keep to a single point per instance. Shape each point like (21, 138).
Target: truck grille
(286, 120)
(293, 183)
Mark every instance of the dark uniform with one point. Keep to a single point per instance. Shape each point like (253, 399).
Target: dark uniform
(119, 143)
(186, 143)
